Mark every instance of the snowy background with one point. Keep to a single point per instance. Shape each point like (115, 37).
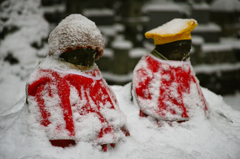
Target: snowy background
(24, 45)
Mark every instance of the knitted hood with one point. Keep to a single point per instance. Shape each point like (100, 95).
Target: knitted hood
(75, 31)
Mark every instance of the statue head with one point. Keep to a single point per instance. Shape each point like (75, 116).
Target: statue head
(173, 39)
(76, 40)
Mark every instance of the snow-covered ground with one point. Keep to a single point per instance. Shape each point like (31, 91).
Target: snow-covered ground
(200, 137)
(233, 100)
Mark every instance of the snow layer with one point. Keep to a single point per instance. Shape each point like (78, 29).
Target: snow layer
(216, 137)
(31, 29)
(98, 12)
(137, 52)
(201, 6)
(173, 28)
(233, 100)
(161, 7)
(210, 27)
(122, 44)
(226, 5)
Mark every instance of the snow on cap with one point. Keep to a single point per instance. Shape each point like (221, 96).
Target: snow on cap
(75, 31)
(176, 29)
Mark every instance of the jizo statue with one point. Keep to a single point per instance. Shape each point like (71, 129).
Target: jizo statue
(66, 93)
(164, 83)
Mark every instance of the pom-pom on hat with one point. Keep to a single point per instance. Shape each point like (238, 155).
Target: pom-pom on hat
(74, 32)
(175, 30)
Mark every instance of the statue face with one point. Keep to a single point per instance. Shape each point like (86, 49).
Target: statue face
(178, 50)
(82, 58)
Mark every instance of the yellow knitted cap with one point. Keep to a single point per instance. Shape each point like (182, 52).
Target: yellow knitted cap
(176, 29)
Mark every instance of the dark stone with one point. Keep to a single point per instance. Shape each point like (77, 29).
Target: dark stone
(102, 20)
(176, 50)
(209, 36)
(158, 18)
(82, 57)
(223, 82)
(200, 14)
(120, 61)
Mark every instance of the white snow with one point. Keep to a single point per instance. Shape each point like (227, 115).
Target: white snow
(174, 27)
(210, 27)
(161, 7)
(137, 52)
(122, 44)
(225, 5)
(216, 47)
(119, 27)
(116, 77)
(108, 30)
(55, 8)
(204, 68)
(27, 17)
(233, 100)
(108, 53)
(215, 137)
(98, 12)
(201, 6)
(197, 40)
(231, 41)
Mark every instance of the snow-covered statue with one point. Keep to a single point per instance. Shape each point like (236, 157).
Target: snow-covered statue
(164, 84)
(66, 93)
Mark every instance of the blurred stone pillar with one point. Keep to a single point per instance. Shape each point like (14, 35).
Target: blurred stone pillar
(121, 58)
(133, 20)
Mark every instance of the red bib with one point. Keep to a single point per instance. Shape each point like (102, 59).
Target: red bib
(167, 90)
(78, 106)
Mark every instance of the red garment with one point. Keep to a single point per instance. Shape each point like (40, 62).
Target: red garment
(49, 92)
(167, 90)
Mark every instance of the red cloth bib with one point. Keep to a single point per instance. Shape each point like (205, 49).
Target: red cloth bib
(167, 90)
(60, 100)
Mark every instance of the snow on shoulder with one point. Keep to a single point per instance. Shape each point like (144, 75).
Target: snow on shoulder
(199, 138)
